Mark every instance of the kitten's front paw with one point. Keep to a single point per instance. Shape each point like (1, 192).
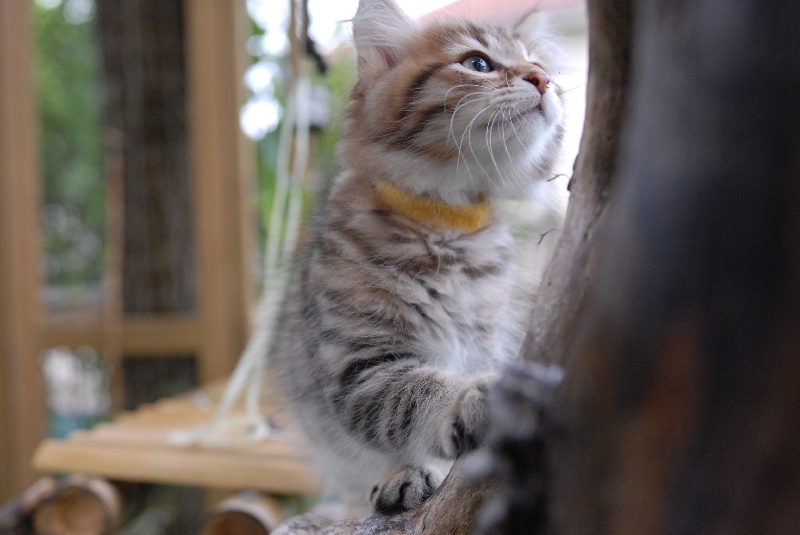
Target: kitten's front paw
(404, 489)
(465, 424)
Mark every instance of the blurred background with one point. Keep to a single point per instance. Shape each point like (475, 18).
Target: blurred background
(139, 146)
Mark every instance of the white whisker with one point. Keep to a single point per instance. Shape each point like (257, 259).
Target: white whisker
(460, 104)
(457, 87)
(579, 86)
(503, 129)
(492, 122)
(468, 133)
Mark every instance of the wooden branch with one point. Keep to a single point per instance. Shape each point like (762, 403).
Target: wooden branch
(451, 510)
(563, 292)
(520, 503)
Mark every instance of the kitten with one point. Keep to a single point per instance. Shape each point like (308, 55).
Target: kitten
(398, 319)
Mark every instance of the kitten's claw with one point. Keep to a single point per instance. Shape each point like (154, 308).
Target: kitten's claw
(404, 489)
(465, 426)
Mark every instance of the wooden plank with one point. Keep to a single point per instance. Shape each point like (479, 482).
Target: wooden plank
(222, 165)
(183, 466)
(21, 400)
(141, 445)
(114, 436)
(160, 335)
(152, 419)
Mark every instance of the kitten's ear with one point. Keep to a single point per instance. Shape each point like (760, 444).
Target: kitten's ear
(535, 31)
(380, 30)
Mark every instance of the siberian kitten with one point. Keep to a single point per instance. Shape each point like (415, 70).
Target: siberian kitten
(398, 321)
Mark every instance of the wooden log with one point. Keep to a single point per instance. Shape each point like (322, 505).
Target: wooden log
(15, 514)
(244, 514)
(450, 510)
(80, 506)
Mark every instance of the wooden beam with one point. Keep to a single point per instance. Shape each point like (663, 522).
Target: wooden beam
(174, 465)
(21, 401)
(222, 163)
(158, 335)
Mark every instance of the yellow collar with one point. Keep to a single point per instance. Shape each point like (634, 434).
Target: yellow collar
(432, 212)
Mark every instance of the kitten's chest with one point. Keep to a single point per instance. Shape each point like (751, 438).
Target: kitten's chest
(465, 310)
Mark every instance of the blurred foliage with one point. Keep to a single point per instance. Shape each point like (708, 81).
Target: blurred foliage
(67, 75)
(68, 78)
(338, 82)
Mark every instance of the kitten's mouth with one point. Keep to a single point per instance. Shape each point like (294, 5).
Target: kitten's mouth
(528, 111)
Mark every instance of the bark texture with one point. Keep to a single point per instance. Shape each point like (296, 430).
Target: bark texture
(562, 297)
(679, 413)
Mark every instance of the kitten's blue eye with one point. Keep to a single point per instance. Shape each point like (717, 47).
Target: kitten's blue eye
(477, 63)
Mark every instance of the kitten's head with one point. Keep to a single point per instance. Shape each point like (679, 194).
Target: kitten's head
(456, 110)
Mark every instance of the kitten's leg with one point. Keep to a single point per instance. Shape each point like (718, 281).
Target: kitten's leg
(405, 489)
(461, 429)
(456, 427)
(397, 407)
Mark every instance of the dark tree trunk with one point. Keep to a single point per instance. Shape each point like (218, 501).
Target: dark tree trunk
(149, 191)
(681, 406)
(145, 111)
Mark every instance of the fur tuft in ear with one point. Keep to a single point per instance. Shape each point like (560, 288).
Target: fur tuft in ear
(380, 30)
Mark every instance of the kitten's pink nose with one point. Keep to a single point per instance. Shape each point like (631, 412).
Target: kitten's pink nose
(538, 78)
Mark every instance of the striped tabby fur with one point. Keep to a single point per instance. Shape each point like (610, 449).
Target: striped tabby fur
(398, 323)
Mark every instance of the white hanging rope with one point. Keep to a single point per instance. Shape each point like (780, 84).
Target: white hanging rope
(284, 222)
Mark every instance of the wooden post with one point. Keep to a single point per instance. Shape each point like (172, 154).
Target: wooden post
(185, 283)
(222, 163)
(21, 390)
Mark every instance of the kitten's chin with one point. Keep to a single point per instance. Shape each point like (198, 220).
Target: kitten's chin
(546, 115)
(530, 113)
(513, 182)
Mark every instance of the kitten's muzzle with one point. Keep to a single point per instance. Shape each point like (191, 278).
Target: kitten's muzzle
(539, 78)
